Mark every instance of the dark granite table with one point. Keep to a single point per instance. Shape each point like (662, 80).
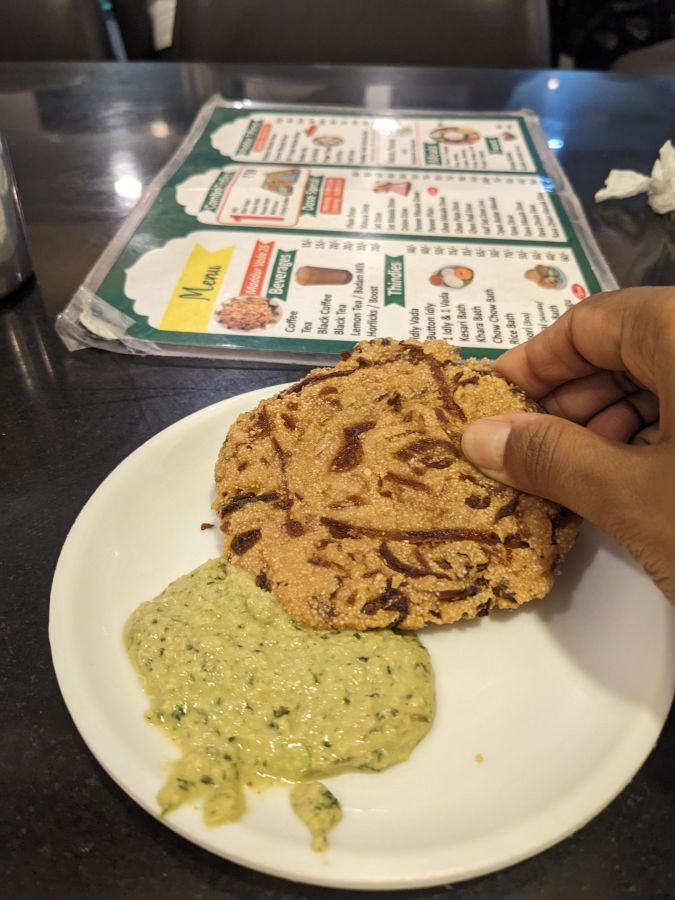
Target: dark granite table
(66, 830)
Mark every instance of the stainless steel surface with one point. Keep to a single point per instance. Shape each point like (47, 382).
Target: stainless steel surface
(15, 264)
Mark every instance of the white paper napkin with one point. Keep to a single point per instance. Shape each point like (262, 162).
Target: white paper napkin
(660, 186)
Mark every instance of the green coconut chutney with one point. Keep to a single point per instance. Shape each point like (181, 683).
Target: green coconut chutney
(251, 698)
(318, 808)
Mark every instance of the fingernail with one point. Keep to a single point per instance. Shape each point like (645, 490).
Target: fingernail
(483, 443)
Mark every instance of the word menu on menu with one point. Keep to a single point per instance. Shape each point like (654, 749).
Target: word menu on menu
(292, 233)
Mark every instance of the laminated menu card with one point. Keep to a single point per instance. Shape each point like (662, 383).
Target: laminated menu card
(290, 233)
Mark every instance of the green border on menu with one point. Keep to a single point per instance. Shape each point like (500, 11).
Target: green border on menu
(166, 219)
(223, 115)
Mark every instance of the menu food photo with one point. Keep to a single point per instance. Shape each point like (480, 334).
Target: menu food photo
(290, 233)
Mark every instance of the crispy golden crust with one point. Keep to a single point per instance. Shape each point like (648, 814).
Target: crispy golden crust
(348, 496)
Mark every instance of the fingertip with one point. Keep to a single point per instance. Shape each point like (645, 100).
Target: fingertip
(484, 440)
(483, 443)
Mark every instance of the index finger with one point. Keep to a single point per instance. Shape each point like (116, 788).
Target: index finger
(621, 331)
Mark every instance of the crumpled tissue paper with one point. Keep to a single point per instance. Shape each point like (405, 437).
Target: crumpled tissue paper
(660, 186)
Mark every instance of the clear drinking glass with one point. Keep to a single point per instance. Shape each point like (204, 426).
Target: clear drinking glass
(15, 264)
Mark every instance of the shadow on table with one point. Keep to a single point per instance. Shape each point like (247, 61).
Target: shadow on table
(640, 243)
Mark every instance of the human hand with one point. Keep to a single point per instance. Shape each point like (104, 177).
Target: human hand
(603, 371)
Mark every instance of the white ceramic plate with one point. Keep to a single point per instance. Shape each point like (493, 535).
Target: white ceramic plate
(563, 699)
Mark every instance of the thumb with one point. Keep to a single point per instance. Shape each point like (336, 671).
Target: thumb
(556, 459)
